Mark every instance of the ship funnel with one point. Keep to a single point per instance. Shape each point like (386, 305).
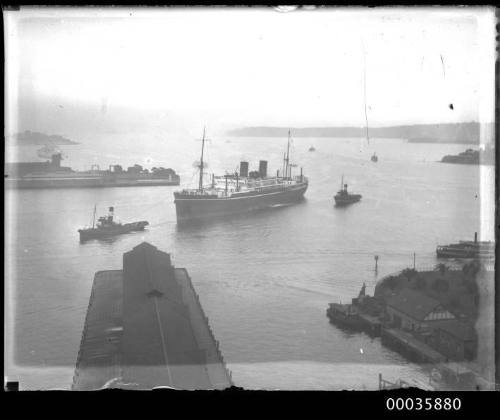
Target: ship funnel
(263, 168)
(244, 169)
(56, 160)
(110, 215)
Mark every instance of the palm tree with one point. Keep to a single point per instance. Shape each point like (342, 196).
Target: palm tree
(442, 268)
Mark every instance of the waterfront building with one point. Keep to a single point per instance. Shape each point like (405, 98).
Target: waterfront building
(414, 311)
(145, 328)
(456, 340)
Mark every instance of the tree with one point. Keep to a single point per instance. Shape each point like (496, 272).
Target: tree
(440, 285)
(471, 269)
(391, 282)
(442, 268)
(420, 283)
(409, 272)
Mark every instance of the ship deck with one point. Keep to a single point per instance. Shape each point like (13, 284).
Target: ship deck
(243, 188)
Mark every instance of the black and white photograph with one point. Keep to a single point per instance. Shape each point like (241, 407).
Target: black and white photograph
(292, 198)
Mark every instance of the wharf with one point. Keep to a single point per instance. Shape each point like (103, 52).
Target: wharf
(145, 328)
(458, 374)
(384, 384)
(411, 346)
(371, 324)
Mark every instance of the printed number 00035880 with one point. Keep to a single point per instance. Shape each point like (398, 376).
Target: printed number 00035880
(427, 404)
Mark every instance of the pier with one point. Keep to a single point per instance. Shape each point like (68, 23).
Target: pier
(411, 347)
(145, 328)
(371, 324)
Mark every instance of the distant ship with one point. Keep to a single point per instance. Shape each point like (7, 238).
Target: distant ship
(239, 193)
(374, 158)
(467, 249)
(312, 149)
(343, 198)
(472, 157)
(106, 227)
(51, 174)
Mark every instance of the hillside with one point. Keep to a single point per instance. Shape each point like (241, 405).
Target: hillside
(466, 133)
(30, 138)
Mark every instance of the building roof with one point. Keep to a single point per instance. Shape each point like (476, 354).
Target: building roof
(145, 327)
(413, 303)
(458, 329)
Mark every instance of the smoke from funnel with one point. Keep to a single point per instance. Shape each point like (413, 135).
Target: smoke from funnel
(47, 151)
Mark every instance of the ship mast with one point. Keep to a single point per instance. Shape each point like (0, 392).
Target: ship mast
(288, 154)
(201, 161)
(364, 88)
(93, 220)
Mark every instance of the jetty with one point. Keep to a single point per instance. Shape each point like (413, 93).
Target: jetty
(411, 347)
(428, 317)
(145, 328)
(362, 314)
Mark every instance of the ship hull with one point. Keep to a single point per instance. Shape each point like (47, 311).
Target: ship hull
(346, 201)
(459, 253)
(352, 322)
(87, 234)
(204, 208)
(84, 182)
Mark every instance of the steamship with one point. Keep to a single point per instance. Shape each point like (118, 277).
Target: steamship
(240, 192)
(467, 249)
(50, 174)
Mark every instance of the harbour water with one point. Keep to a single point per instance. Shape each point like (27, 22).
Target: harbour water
(264, 279)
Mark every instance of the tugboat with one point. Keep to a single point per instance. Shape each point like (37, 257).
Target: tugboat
(107, 227)
(374, 157)
(343, 198)
(312, 149)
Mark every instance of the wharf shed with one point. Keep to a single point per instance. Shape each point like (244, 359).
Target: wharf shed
(413, 311)
(455, 339)
(145, 328)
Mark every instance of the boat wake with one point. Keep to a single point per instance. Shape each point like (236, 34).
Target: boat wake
(280, 205)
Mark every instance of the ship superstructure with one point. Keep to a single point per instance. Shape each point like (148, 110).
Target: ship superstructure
(240, 192)
(51, 174)
(467, 249)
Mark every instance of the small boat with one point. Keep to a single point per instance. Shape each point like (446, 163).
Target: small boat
(344, 315)
(106, 227)
(467, 249)
(312, 149)
(343, 198)
(374, 158)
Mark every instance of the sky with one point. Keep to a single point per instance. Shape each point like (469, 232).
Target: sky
(243, 67)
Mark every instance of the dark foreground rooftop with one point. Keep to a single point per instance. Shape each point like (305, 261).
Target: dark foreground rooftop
(145, 328)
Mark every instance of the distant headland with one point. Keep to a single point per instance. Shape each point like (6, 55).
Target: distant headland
(33, 138)
(464, 133)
